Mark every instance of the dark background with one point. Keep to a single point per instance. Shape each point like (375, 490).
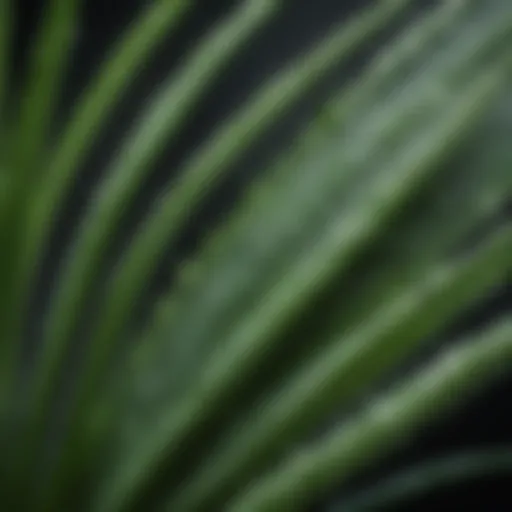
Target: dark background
(486, 421)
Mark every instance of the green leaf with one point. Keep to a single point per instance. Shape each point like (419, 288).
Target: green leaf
(162, 120)
(279, 94)
(212, 160)
(47, 66)
(263, 239)
(352, 252)
(331, 378)
(385, 424)
(26, 139)
(251, 342)
(91, 113)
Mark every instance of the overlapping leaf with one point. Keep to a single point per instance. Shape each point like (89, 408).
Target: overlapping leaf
(352, 251)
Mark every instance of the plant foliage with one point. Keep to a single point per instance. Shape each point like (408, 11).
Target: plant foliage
(349, 255)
